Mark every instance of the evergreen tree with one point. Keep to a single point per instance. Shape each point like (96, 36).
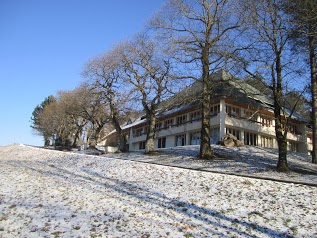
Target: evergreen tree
(35, 119)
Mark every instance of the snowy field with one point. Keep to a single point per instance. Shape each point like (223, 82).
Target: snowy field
(247, 161)
(55, 194)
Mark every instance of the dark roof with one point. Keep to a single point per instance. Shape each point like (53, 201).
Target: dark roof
(224, 85)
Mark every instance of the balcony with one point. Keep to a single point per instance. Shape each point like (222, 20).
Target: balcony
(137, 137)
(179, 128)
(249, 124)
(190, 125)
(296, 137)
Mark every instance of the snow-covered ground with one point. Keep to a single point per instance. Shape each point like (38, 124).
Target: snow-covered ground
(56, 194)
(245, 161)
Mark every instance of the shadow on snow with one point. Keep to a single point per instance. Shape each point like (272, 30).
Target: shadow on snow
(146, 196)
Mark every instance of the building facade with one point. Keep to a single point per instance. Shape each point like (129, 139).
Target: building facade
(249, 117)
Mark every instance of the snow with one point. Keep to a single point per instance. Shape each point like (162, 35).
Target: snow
(174, 110)
(142, 120)
(247, 161)
(127, 126)
(45, 193)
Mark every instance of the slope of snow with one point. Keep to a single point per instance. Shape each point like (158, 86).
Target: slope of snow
(54, 194)
(246, 161)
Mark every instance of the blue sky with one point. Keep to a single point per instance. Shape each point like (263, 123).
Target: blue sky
(44, 45)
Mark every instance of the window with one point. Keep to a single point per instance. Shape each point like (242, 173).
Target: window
(292, 128)
(250, 138)
(214, 110)
(267, 142)
(265, 121)
(161, 142)
(180, 120)
(181, 140)
(137, 132)
(158, 126)
(195, 138)
(234, 132)
(309, 139)
(292, 146)
(214, 135)
(168, 123)
(250, 115)
(233, 111)
(142, 145)
(195, 116)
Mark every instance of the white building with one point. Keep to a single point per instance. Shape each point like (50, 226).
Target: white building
(237, 108)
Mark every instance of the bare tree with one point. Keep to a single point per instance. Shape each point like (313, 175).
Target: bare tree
(47, 121)
(65, 118)
(73, 103)
(105, 72)
(55, 121)
(84, 106)
(304, 34)
(149, 71)
(95, 111)
(202, 32)
(269, 58)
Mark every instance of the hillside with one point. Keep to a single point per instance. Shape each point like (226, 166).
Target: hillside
(249, 161)
(47, 193)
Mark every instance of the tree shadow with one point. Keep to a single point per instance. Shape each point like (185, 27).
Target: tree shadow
(241, 160)
(210, 218)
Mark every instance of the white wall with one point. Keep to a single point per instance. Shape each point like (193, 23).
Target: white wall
(223, 120)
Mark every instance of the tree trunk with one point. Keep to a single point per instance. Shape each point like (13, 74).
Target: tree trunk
(76, 136)
(46, 141)
(205, 149)
(74, 144)
(282, 165)
(93, 140)
(312, 58)
(122, 139)
(92, 143)
(149, 144)
(115, 121)
(122, 143)
(94, 137)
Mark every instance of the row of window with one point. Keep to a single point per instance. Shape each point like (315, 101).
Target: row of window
(292, 128)
(231, 111)
(265, 141)
(180, 140)
(249, 139)
(293, 146)
(250, 115)
(195, 138)
(179, 120)
(161, 143)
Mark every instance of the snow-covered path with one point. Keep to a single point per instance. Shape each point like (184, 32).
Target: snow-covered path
(55, 194)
